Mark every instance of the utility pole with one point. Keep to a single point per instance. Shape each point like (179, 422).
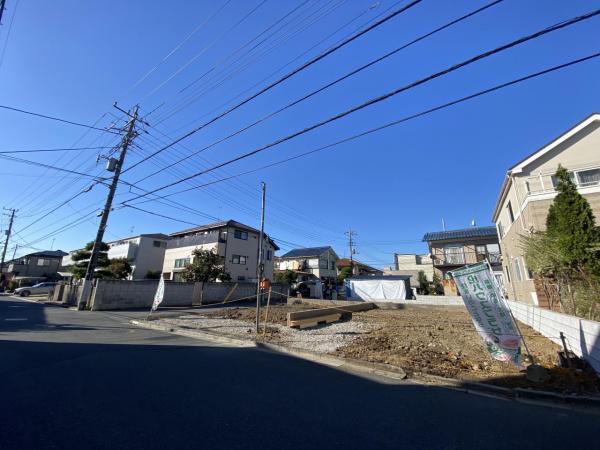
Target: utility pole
(91, 268)
(351, 235)
(1, 10)
(261, 266)
(10, 224)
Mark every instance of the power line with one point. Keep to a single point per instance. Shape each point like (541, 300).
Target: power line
(193, 97)
(207, 47)
(386, 96)
(328, 85)
(285, 77)
(178, 46)
(48, 166)
(390, 124)
(58, 119)
(39, 150)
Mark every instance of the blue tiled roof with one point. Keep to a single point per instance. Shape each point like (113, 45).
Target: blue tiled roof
(474, 232)
(305, 252)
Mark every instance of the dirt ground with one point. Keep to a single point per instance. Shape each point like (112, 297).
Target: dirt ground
(437, 340)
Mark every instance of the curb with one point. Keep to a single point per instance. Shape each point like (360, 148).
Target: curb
(544, 398)
(193, 333)
(384, 370)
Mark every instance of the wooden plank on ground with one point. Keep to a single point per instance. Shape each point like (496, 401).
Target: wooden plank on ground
(320, 320)
(311, 313)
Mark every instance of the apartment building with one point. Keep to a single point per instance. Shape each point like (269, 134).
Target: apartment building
(236, 243)
(528, 191)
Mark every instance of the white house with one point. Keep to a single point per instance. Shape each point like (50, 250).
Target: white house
(236, 243)
(145, 253)
(528, 191)
(320, 261)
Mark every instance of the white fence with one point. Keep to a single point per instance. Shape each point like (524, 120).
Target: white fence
(583, 336)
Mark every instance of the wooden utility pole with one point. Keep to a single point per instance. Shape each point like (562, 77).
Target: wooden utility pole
(260, 267)
(351, 235)
(8, 232)
(91, 268)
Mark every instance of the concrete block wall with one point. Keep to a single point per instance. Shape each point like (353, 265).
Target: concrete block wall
(123, 294)
(217, 292)
(583, 336)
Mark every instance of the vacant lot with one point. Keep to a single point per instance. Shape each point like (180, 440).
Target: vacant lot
(437, 340)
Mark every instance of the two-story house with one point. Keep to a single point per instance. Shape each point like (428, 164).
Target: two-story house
(145, 253)
(455, 248)
(236, 243)
(38, 266)
(528, 191)
(318, 261)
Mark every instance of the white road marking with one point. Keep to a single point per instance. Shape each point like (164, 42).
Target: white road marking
(16, 318)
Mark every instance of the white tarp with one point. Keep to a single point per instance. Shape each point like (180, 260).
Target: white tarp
(376, 289)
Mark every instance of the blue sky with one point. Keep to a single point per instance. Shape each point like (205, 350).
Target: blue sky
(73, 59)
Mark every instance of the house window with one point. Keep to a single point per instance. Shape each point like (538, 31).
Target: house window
(269, 255)
(589, 177)
(518, 271)
(158, 244)
(511, 215)
(178, 276)
(166, 275)
(507, 273)
(313, 263)
(322, 264)
(332, 265)
(239, 234)
(181, 262)
(555, 180)
(43, 262)
(238, 259)
(454, 254)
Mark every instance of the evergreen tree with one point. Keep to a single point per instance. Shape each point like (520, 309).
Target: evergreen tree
(570, 224)
(82, 258)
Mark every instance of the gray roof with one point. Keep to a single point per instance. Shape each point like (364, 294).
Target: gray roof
(223, 224)
(305, 252)
(47, 253)
(473, 232)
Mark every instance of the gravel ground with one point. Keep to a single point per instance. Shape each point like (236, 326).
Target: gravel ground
(325, 339)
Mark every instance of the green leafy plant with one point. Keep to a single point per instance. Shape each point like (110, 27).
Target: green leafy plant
(424, 285)
(206, 266)
(287, 276)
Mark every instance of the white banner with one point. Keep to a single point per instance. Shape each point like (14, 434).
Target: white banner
(160, 293)
(489, 312)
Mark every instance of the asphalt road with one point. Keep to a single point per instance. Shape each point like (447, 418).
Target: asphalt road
(72, 379)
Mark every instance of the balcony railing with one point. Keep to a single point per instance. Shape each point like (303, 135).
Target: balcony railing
(198, 239)
(463, 258)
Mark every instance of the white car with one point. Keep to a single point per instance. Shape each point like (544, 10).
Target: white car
(40, 288)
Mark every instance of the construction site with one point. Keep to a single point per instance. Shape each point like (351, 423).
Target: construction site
(420, 339)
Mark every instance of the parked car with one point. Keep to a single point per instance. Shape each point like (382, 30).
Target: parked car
(40, 288)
